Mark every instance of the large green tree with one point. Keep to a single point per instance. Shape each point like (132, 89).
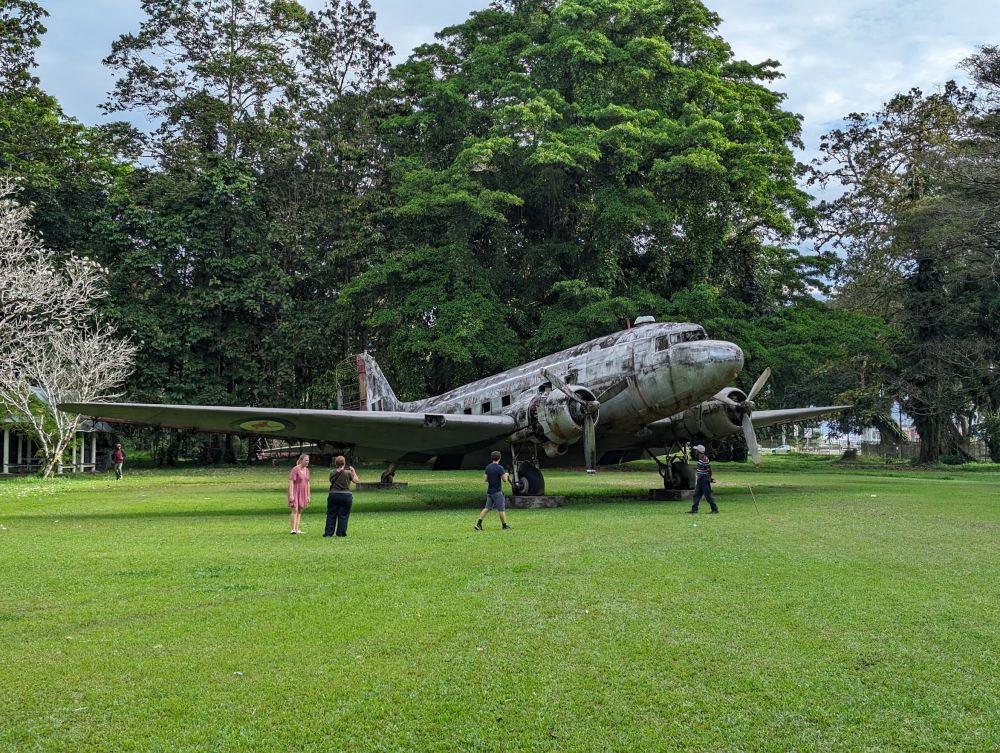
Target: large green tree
(231, 248)
(546, 153)
(911, 252)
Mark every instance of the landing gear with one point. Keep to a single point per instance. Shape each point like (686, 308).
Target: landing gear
(530, 482)
(676, 472)
(527, 479)
(389, 474)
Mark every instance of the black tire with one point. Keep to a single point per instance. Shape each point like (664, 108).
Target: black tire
(530, 482)
(683, 476)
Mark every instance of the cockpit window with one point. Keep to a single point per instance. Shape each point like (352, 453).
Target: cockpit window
(665, 341)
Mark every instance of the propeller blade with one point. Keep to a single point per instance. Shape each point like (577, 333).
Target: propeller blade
(751, 439)
(560, 385)
(723, 397)
(589, 443)
(759, 384)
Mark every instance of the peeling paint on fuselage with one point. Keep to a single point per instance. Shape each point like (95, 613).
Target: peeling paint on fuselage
(645, 376)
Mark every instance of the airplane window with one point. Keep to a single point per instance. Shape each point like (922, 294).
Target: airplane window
(467, 411)
(675, 338)
(505, 401)
(662, 343)
(692, 335)
(485, 408)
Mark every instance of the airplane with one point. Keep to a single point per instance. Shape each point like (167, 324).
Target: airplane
(653, 386)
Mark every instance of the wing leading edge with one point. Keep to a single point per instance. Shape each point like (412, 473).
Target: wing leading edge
(394, 431)
(763, 418)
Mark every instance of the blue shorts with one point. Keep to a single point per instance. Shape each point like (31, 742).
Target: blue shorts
(496, 501)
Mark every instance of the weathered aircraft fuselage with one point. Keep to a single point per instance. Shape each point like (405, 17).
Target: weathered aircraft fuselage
(639, 375)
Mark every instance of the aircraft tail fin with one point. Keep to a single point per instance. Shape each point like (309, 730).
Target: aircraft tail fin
(376, 393)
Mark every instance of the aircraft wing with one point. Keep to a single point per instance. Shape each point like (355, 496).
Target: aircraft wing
(763, 418)
(396, 432)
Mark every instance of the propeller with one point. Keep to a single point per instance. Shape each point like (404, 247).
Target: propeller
(589, 410)
(747, 423)
(751, 439)
(759, 384)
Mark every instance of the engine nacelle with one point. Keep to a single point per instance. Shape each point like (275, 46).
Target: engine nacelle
(709, 420)
(553, 420)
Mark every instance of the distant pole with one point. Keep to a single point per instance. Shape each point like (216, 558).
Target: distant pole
(899, 444)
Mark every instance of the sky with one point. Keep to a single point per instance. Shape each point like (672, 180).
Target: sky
(838, 56)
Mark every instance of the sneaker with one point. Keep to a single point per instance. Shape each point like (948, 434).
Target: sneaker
(294, 532)
(691, 512)
(506, 527)
(714, 512)
(479, 526)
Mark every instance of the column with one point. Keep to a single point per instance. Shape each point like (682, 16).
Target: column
(93, 451)
(6, 451)
(73, 455)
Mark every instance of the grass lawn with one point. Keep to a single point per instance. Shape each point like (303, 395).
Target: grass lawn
(852, 610)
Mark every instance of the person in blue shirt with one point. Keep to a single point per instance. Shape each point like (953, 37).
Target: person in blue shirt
(495, 474)
(703, 486)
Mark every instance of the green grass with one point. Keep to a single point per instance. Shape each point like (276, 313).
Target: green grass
(858, 610)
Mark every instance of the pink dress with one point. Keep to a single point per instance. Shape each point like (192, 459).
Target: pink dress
(300, 487)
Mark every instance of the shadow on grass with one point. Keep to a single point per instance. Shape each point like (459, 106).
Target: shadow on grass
(426, 503)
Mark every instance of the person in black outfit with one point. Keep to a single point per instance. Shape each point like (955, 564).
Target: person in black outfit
(340, 499)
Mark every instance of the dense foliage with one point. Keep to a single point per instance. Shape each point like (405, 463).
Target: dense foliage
(917, 224)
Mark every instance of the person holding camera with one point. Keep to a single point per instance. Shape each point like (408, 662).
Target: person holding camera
(340, 499)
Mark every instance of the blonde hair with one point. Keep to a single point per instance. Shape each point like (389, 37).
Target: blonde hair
(340, 461)
(303, 455)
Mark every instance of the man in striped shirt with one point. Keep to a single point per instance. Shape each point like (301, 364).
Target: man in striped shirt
(703, 486)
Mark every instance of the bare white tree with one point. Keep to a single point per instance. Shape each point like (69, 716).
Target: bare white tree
(38, 290)
(52, 346)
(65, 365)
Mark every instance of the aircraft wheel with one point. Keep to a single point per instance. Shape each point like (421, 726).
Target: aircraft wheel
(530, 481)
(683, 476)
(388, 477)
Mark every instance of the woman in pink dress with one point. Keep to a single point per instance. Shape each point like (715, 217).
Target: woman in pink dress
(298, 491)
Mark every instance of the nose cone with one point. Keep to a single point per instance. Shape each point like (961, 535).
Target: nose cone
(711, 363)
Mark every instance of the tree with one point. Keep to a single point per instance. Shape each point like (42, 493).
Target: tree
(21, 28)
(906, 257)
(53, 347)
(542, 149)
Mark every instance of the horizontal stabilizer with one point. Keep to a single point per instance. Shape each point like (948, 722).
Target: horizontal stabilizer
(389, 430)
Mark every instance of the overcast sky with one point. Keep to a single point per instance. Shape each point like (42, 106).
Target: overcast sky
(838, 56)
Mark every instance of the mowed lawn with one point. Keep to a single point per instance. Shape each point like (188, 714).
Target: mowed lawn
(850, 610)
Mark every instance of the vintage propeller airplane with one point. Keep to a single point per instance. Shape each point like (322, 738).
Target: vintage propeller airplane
(647, 390)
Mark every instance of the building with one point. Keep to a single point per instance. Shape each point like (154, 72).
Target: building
(89, 453)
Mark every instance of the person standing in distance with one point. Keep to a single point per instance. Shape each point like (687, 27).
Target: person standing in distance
(495, 474)
(298, 491)
(118, 457)
(703, 485)
(340, 499)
